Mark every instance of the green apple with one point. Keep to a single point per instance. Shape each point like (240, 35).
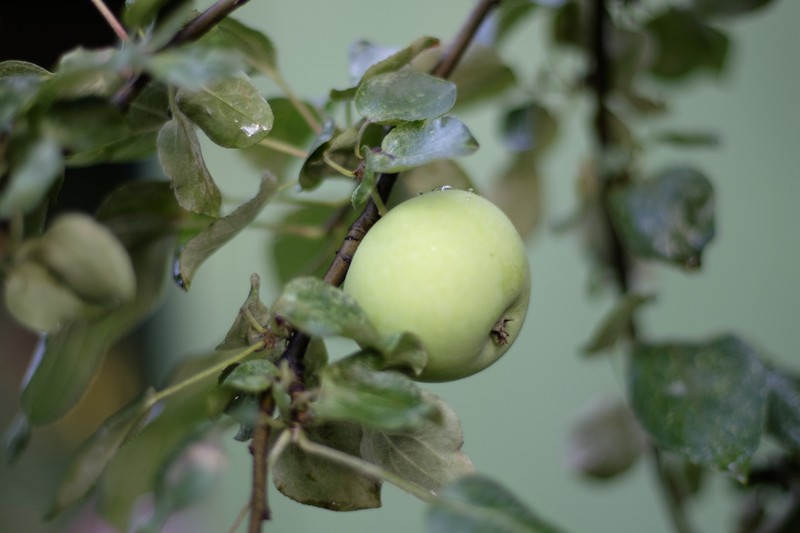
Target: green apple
(450, 267)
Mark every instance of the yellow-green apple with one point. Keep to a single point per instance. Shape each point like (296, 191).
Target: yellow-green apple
(450, 267)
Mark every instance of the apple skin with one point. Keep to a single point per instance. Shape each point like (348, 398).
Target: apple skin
(450, 267)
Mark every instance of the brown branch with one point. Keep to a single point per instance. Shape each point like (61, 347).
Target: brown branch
(259, 448)
(450, 60)
(192, 31)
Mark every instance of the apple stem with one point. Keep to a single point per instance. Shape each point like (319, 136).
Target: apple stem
(499, 332)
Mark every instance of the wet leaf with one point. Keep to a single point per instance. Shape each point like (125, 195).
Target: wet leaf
(321, 482)
(414, 144)
(89, 462)
(218, 233)
(308, 239)
(351, 390)
(67, 361)
(685, 44)
(406, 95)
(252, 376)
(480, 505)
(670, 217)
(243, 333)
(182, 160)
(616, 322)
(605, 440)
(317, 308)
(783, 408)
(35, 165)
(428, 454)
(231, 111)
(705, 401)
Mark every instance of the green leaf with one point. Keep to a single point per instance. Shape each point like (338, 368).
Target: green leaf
(314, 168)
(252, 376)
(615, 323)
(352, 390)
(182, 159)
(231, 111)
(13, 67)
(218, 233)
(403, 351)
(255, 47)
(529, 128)
(17, 93)
(89, 462)
(684, 45)
(415, 144)
(362, 65)
(34, 167)
(477, 504)
(192, 67)
(85, 73)
(85, 125)
(363, 191)
(16, 437)
(509, 14)
(481, 74)
(139, 14)
(67, 361)
(243, 332)
(317, 308)
(706, 401)
(428, 454)
(288, 128)
(406, 95)
(689, 139)
(783, 408)
(139, 466)
(362, 55)
(670, 217)
(307, 240)
(605, 440)
(321, 482)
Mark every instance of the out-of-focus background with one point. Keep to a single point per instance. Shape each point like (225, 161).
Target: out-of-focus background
(516, 415)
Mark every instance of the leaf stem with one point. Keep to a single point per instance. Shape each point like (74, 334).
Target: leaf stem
(298, 104)
(362, 466)
(112, 21)
(286, 148)
(208, 372)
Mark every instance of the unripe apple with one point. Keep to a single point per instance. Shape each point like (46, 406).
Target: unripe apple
(450, 267)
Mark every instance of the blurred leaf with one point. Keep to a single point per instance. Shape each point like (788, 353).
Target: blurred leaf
(481, 74)
(478, 504)
(705, 401)
(414, 144)
(605, 440)
(317, 308)
(530, 127)
(615, 323)
(429, 454)
(17, 93)
(321, 482)
(351, 390)
(35, 164)
(403, 351)
(89, 462)
(255, 47)
(509, 15)
(289, 128)
(139, 466)
(139, 14)
(82, 73)
(699, 139)
(242, 333)
(13, 67)
(518, 193)
(85, 124)
(231, 111)
(308, 239)
(68, 360)
(392, 62)
(192, 66)
(363, 54)
(315, 359)
(685, 44)
(252, 376)
(16, 437)
(314, 168)
(711, 8)
(670, 217)
(568, 25)
(218, 233)
(783, 408)
(406, 95)
(182, 159)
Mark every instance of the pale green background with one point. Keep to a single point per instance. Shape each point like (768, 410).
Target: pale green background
(517, 414)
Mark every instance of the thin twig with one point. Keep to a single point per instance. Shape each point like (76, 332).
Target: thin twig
(259, 505)
(456, 50)
(112, 21)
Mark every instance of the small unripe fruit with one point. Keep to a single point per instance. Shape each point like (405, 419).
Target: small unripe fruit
(449, 267)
